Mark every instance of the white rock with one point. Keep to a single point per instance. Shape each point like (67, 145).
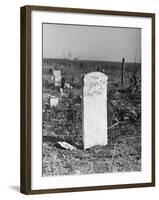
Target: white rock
(66, 145)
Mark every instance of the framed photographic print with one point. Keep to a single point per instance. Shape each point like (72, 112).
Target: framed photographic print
(87, 99)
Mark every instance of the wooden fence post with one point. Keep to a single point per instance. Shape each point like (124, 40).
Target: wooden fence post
(122, 71)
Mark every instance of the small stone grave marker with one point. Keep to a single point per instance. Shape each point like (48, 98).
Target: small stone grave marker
(57, 75)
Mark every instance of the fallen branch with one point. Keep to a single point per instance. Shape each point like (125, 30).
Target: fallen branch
(116, 124)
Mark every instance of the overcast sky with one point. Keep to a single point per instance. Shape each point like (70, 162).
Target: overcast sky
(91, 43)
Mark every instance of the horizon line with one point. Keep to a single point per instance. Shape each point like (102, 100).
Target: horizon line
(79, 60)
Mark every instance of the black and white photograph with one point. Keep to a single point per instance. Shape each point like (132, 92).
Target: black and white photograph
(88, 99)
(91, 99)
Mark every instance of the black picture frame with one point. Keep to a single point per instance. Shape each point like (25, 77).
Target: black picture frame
(26, 107)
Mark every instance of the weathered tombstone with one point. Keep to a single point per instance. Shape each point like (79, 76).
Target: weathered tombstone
(57, 75)
(94, 109)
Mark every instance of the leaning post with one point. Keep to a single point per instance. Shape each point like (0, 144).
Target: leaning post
(122, 71)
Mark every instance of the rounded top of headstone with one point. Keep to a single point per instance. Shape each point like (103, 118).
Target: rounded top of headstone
(96, 74)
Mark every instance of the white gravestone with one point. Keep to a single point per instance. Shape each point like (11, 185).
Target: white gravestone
(95, 109)
(57, 75)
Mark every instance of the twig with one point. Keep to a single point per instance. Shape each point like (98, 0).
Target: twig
(116, 124)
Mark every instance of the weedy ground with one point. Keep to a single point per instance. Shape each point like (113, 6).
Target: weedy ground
(64, 123)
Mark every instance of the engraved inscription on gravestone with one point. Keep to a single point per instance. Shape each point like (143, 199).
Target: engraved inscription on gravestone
(95, 109)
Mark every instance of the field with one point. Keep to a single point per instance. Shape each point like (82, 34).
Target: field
(64, 122)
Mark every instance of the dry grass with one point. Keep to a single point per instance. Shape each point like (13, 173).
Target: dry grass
(64, 123)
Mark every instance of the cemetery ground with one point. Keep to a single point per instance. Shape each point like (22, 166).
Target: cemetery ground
(63, 123)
